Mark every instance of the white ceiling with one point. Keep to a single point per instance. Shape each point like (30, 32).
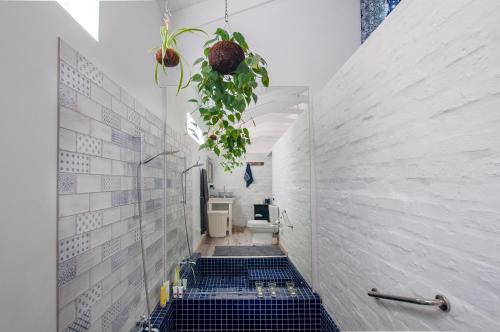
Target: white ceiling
(276, 110)
(175, 5)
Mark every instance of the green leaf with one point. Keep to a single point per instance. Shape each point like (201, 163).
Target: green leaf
(230, 117)
(156, 74)
(181, 78)
(193, 100)
(199, 60)
(208, 42)
(222, 34)
(240, 40)
(255, 98)
(265, 81)
(187, 30)
(197, 78)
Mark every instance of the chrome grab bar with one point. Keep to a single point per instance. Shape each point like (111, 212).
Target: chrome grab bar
(440, 300)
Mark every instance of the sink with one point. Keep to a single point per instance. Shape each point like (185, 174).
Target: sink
(226, 194)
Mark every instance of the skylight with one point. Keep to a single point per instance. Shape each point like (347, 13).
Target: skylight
(85, 12)
(194, 130)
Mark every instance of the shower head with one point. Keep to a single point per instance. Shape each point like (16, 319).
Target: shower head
(191, 167)
(164, 153)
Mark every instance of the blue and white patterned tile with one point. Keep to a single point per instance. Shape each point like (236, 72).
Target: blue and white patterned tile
(134, 143)
(85, 301)
(120, 320)
(69, 76)
(135, 279)
(75, 245)
(73, 162)
(118, 137)
(88, 145)
(66, 183)
(119, 259)
(373, 13)
(110, 248)
(67, 97)
(119, 198)
(133, 117)
(111, 118)
(110, 314)
(81, 323)
(111, 183)
(90, 71)
(66, 271)
(87, 222)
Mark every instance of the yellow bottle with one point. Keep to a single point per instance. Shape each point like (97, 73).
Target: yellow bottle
(163, 296)
(177, 274)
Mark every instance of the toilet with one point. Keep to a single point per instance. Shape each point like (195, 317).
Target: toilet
(262, 230)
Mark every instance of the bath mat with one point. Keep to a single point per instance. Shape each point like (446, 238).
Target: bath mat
(265, 250)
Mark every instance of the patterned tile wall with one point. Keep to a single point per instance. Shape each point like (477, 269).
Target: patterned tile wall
(99, 276)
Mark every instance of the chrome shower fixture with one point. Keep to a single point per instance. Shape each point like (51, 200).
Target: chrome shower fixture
(164, 153)
(147, 322)
(183, 187)
(198, 164)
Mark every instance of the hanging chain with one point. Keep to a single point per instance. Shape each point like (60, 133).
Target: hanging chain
(167, 14)
(226, 16)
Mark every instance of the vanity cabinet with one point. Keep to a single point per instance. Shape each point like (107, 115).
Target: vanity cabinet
(223, 204)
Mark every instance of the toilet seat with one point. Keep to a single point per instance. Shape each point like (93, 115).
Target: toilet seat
(262, 225)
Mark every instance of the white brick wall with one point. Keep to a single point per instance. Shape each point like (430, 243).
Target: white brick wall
(245, 198)
(407, 164)
(291, 190)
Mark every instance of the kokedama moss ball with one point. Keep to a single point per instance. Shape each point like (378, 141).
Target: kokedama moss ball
(225, 57)
(171, 58)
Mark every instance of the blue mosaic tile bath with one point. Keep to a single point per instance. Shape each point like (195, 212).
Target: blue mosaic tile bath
(221, 296)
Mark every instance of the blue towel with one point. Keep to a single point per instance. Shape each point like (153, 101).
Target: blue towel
(248, 176)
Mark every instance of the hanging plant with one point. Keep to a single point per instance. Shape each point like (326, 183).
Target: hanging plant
(226, 83)
(168, 55)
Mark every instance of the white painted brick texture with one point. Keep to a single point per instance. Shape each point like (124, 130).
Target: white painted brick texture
(292, 189)
(407, 164)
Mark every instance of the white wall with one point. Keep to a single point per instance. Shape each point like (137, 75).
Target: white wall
(304, 42)
(407, 165)
(245, 198)
(28, 63)
(291, 183)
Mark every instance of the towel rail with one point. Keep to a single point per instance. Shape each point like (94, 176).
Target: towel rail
(286, 220)
(439, 300)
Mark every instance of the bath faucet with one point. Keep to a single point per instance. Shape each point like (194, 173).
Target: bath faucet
(187, 261)
(144, 324)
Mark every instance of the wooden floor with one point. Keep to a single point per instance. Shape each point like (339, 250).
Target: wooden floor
(236, 239)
